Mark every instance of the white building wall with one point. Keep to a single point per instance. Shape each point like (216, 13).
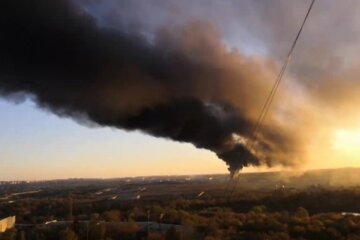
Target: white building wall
(7, 223)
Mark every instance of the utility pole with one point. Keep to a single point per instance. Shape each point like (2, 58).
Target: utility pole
(148, 222)
(87, 230)
(70, 203)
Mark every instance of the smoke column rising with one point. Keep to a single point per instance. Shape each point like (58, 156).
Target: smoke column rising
(182, 83)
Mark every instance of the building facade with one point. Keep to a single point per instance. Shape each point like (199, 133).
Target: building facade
(7, 223)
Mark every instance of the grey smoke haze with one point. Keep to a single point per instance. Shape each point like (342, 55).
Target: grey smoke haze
(165, 67)
(326, 55)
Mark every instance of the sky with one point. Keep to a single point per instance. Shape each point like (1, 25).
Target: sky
(230, 54)
(54, 148)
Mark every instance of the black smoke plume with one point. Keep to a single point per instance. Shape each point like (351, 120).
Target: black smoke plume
(181, 83)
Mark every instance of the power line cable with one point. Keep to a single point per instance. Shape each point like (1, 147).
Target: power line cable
(270, 98)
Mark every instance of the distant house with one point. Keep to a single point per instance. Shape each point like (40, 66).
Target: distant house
(7, 223)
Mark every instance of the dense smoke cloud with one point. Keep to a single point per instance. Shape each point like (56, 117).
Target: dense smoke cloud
(180, 82)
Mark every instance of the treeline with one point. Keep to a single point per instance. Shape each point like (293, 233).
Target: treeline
(312, 214)
(209, 224)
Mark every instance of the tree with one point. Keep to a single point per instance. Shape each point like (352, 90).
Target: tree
(172, 234)
(129, 228)
(8, 235)
(302, 213)
(67, 234)
(97, 231)
(156, 236)
(112, 216)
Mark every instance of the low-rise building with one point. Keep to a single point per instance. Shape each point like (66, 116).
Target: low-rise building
(7, 223)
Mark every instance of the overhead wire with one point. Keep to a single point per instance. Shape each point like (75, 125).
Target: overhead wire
(270, 98)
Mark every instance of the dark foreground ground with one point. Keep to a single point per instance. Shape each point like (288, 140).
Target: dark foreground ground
(319, 204)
